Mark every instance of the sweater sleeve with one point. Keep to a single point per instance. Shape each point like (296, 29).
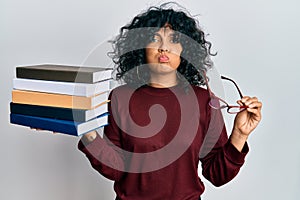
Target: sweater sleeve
(105, 154)
(223, 162)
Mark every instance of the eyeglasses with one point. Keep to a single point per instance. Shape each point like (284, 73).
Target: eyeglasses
(218, 103)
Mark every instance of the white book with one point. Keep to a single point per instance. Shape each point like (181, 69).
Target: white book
(59, 87)
(93, 113)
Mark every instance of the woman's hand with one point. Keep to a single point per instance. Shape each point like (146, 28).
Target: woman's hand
(38, 129)
(246, 121)
(86, 138)
(89, 137)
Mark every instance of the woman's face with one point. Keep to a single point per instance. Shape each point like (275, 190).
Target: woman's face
(163, 52)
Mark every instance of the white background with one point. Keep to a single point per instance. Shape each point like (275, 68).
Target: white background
(257, 44)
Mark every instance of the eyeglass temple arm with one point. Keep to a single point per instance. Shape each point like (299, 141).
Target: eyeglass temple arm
(240, 93)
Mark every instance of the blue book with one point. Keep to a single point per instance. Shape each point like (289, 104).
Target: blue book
(58, 125)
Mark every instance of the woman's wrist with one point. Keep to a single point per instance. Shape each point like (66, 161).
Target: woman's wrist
(238, 139)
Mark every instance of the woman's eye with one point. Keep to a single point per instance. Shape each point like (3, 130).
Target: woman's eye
(154, 38)
(175, 39)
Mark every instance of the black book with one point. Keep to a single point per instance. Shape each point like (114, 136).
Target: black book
(66, 73)
(79, 115)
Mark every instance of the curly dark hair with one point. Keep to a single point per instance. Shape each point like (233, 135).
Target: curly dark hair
(129, 46)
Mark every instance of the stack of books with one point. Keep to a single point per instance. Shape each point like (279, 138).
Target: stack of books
(60, 98)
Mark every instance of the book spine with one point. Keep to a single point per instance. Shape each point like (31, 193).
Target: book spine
(55, 100)
(68, 88)
(49, 112)
(78, 115)
(60, 126)
(44, 123)
(66, 76)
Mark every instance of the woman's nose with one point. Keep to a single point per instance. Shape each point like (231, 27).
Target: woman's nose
(163, 47)
(160, 50)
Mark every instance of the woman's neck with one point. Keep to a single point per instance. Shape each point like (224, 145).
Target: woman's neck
(163, 81)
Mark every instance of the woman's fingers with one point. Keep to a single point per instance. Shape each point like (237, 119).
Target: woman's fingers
(250, 102)
(39, 129)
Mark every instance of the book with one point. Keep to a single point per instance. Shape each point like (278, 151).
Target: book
(58, 125)
(79, 115)
(59, 87)
(65, 73)
(58, 100)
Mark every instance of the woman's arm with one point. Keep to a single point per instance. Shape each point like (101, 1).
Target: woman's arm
(224, 161)
(104, 153)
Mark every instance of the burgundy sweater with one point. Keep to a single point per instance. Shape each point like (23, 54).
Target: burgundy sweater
(155, 139)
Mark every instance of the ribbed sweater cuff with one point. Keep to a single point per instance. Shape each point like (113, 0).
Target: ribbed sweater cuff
(234, 155)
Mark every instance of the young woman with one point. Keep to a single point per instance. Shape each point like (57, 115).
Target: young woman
(162, 123)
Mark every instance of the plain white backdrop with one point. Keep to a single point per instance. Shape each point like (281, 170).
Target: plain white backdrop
(257, 44)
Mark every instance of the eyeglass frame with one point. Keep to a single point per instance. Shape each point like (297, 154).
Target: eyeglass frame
(219, 99)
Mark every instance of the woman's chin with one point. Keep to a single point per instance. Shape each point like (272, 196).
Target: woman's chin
(162, 68)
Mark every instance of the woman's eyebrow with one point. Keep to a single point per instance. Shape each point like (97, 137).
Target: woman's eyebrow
(168, 34)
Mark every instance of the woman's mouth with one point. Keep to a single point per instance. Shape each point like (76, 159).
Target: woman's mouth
(163, 58)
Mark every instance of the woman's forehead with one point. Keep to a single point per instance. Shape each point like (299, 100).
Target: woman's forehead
(165, 30)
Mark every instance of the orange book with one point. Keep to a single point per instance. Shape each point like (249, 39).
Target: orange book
(58, 100)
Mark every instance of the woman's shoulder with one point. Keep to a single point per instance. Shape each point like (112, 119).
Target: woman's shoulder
(200, 90)
(122, 89)
(201, 93)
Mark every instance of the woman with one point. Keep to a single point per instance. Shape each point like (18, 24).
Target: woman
(162, 123)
